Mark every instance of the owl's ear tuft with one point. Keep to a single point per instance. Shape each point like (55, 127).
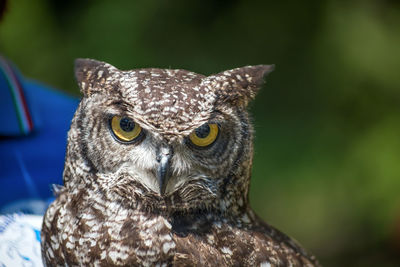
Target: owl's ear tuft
(239, 86)
(91, 75)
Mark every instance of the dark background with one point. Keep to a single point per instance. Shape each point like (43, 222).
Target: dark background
(327, 147)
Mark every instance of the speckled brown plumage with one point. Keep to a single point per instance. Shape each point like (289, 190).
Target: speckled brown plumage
(112, 210)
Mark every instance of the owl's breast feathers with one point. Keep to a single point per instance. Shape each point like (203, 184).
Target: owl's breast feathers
(106, 234)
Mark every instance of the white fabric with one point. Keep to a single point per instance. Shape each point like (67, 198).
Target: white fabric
(20, 240)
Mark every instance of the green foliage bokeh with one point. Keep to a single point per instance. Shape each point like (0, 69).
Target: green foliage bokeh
(327, 147)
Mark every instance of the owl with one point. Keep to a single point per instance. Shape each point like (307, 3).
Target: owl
(157, 173)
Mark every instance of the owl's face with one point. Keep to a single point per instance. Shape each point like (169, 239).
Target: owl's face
(171, 135)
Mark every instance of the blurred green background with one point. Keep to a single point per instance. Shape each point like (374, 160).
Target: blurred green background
(327, 147)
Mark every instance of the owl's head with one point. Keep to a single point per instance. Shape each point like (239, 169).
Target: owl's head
(173, 138)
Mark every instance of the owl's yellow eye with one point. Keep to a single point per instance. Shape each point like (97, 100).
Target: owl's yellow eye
(205, 135)
(125, 129)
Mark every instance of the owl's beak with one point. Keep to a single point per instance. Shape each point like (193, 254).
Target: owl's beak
(163, 173)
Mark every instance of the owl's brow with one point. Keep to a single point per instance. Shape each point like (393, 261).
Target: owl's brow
(215, 114)
(117, 102)
(121, 105)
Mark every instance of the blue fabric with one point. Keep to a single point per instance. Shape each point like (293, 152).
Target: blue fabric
(30, 164)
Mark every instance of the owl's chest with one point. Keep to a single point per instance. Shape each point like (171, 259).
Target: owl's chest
(111, 235)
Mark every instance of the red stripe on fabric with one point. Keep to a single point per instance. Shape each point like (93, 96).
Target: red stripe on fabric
(23, 99)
